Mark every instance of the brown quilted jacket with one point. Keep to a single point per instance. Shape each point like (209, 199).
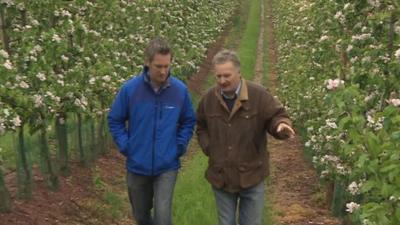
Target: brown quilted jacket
(235, 141)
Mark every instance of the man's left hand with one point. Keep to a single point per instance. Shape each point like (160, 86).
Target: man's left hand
(285, 130)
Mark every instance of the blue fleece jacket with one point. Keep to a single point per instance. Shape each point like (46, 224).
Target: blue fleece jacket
(152, 129)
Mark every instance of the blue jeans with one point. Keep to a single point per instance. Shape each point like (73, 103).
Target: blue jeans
(147, 192)
(250, 202)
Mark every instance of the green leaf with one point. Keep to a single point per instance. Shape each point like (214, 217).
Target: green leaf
(373, 144)
(390, 110)
(367, 186)
(389, 168)
(345, 122)
(361, 160)
(397, 213)
(386, 190)
(396, 136)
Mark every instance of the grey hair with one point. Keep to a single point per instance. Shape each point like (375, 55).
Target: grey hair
(224, 56)
(157, 46)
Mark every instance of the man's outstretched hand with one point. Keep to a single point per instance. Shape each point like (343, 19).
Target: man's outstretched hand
(285, 130)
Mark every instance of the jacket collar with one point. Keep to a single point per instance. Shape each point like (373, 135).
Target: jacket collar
(146, 77)
(241, 100)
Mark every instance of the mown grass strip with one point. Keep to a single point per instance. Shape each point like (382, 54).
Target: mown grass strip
(194, 202)
(248, 46)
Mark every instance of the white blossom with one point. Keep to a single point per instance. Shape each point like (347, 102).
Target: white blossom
(17, 121)
(35, 23)
(65, 13)
(56, 38)
(354, 59)
(38, 100)
(41, 76)
(8, 2)
(64, 58)
(366, 59)
(375, 124)
(2, 129)
(8, 65)
(37, 48)
(21, 7)
(351, 207)
(374, 3)
(61, 82)
(331, 123)
(360, 37)
(4, 53)
(346, 6)
(61, 120)
(323, 38)
(397, 54)
(106, 78)
(369, 97)
(397, 30)
(330, 158)
(339, 16)
(354, 188)
(92, 80)
(324, 173)
(24, 85)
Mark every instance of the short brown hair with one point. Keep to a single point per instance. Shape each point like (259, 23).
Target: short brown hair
(226, 55)
(157, 46)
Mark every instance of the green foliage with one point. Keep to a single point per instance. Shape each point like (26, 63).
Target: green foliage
(338, 65)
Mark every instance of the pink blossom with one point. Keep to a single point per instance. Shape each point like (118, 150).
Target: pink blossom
(394, 101)
(333, 84)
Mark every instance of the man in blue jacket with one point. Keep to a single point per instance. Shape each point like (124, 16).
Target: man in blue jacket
(152, 121)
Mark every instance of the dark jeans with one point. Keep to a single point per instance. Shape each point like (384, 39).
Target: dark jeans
(147, 192)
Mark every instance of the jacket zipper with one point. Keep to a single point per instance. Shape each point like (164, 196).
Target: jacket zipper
(154, 133)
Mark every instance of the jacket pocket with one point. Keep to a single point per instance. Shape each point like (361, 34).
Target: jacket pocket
(251, 174)
(248, 121)
(248, 114)
(215, 176)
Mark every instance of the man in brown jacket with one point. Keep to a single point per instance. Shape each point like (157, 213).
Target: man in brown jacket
(233, 118)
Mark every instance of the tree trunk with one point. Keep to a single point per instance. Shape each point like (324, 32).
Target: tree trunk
(5, 201)
(47, 166)
(82, 154)
(62, 140)
(24, 167)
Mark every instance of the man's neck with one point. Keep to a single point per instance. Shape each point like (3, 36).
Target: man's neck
(229, 94)
(156, 85)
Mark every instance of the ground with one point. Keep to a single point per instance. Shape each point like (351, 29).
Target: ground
(71, 204)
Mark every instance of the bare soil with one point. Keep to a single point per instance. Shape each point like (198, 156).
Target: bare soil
(78, 200)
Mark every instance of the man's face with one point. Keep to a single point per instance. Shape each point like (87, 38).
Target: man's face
(228, 76)
(159, 68)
